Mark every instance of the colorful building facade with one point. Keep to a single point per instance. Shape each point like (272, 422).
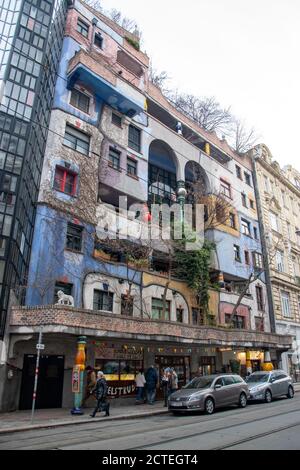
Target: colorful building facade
(112, 133)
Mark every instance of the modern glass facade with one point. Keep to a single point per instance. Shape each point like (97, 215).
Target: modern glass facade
(30, 48)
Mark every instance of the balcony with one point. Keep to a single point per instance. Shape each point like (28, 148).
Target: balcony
(57, 319)
(95, 73)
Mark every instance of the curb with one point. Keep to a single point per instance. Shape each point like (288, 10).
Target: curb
(33, 427)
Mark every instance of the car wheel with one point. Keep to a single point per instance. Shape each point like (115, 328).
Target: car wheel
(209, 406)
(243, 400)
(268, 396)
(290, 393)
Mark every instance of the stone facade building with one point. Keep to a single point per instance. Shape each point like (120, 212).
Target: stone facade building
(279, 199)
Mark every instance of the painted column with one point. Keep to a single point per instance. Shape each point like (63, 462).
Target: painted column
(80, 367)
(267, 364)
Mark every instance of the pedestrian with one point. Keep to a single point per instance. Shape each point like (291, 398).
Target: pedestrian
(140, 386)
(151, 383)
(100, 391)
(165, 381)
(90, 383)
(173, 381)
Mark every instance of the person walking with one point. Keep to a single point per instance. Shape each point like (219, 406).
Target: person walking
(140, 386)
(90, 383)
(100, 391)
(173, 381)
(165, 380)
(151, 383)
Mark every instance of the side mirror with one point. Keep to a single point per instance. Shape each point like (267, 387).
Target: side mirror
(217, 387)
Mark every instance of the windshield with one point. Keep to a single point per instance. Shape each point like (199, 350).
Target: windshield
(199, 382)
(258, 378)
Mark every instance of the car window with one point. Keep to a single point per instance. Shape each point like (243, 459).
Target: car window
(281, 376)
(237, 379)
(219, 382)
(199, 382)
(228, 380)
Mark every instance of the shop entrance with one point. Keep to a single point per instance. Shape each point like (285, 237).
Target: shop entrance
(181, 365)
(256, 366)
(50, 382)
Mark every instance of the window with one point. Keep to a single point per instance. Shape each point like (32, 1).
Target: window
(77, 140)
(131, 167)
(257, 260)
(247, 178)
(274, 222)
(285, 303)
(127, 305)
(279, 260)
(252, 205)
(116, 120)
(114, 158)
(259, 298)
(259, 324)
(267, 185)
(80, 100)
(297, 235)
(157, 309)
(65, 288)
(179, 315)
(283, 198)
(244, 200)
(232, 220)
(74, 237)
(238, 172)
(255, 233)
(65, 181)
(247, 257)
(134, 138)
(197, 316)
(237, 253)
(82, 28)
(98, 40)
(288, 225)
(238, 321)
(228, 380)
(225, 188)
(103, 300)
(246, 228)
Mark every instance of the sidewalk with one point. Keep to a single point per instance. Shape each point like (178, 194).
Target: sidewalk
(20, 420)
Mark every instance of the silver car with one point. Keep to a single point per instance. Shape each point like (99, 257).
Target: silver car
(268, 385)
(210, 392)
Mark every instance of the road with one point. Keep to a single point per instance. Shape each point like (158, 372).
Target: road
(259, 426)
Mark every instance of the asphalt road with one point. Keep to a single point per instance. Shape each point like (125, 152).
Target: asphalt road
(259, 426)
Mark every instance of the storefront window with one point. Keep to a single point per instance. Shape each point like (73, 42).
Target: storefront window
(115, 370)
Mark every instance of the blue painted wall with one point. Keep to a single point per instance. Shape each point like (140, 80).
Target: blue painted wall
(50, 262)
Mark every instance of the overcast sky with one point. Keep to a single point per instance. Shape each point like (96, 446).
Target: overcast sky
(246, 53)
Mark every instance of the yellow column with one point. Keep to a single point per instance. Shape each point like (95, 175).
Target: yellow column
(207, 148)
(267, 364)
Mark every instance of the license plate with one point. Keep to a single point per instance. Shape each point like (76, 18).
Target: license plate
(176, 403)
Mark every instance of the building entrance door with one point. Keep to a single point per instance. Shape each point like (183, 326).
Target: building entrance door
(181, 364)
(50, 382)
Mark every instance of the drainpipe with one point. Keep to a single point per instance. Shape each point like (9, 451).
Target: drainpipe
(264, 248)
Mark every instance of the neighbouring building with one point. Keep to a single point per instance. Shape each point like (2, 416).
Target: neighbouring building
(112, 133)
(31, 34)
(279, 200)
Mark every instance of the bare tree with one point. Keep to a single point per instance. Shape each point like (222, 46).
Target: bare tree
(242, 139)
(158, 79)
(206, 111)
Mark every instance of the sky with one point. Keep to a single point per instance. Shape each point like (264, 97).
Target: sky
(243, 52)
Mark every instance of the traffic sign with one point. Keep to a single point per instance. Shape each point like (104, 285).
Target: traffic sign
(40, 346)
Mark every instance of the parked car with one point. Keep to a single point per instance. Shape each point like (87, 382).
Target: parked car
(268, 385)
(210, 392)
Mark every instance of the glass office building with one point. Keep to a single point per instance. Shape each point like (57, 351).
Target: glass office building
(31, 35)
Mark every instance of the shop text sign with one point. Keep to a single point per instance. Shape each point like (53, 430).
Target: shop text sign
(120, 389)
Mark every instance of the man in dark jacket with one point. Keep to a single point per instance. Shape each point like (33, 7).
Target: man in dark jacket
(151, 382)
(100, 391)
